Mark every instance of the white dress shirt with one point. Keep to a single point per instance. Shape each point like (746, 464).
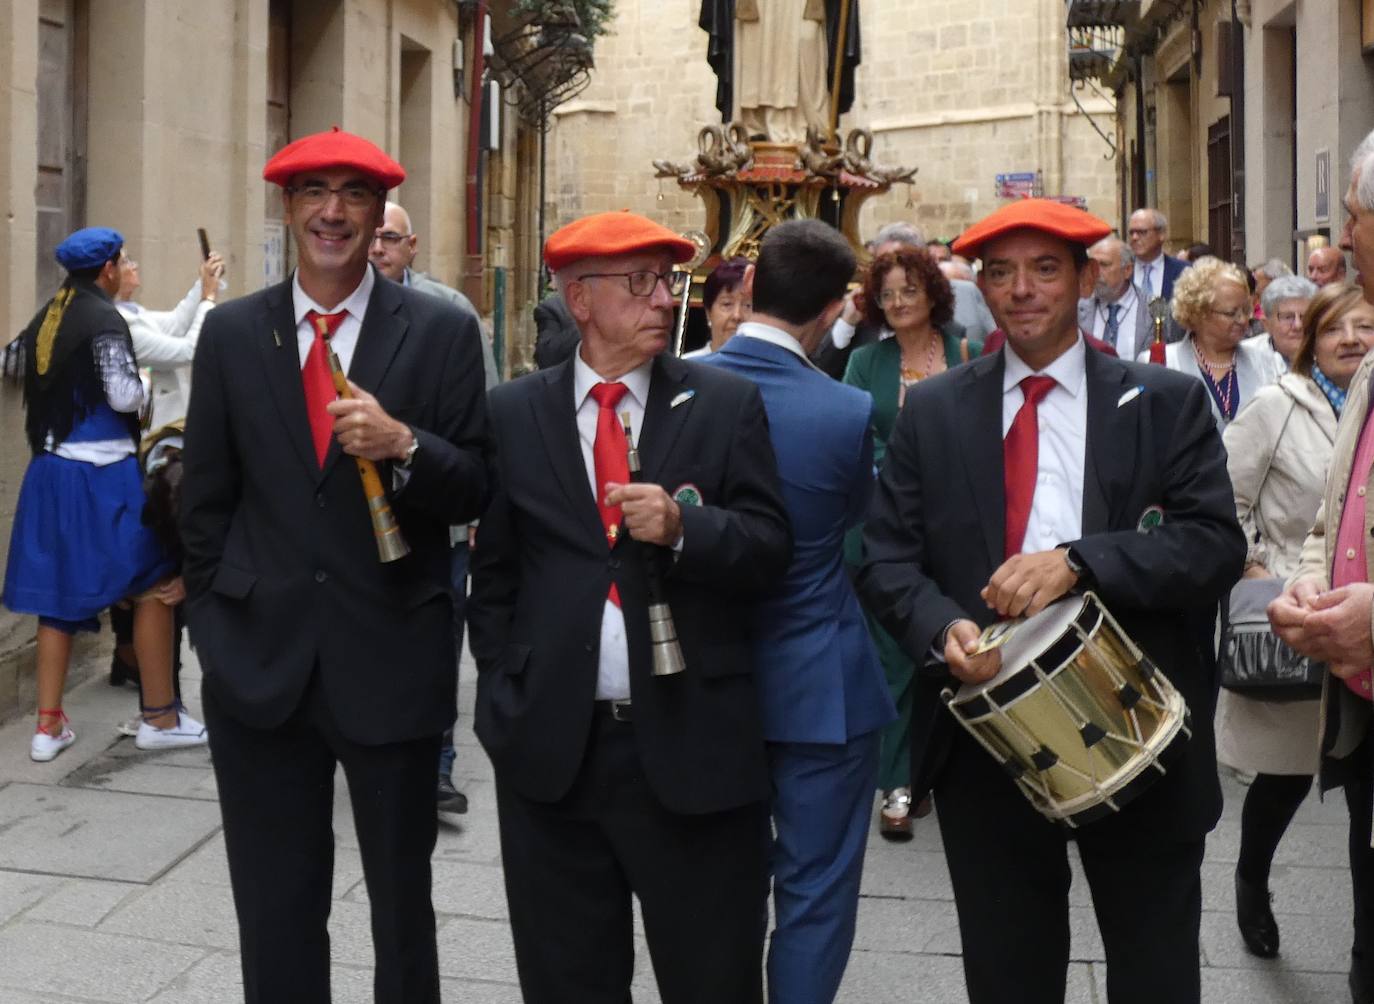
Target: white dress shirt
(345, 338)
(1056, 515)
(613, 661)
(1154, 288)
(774, 336)
(1125, 321)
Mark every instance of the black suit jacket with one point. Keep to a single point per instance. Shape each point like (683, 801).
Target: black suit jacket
(935, 536)
(282, 572)
(556, 333)
(832, 361)
(542, 568)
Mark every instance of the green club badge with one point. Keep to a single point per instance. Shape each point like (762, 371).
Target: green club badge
(688, 494)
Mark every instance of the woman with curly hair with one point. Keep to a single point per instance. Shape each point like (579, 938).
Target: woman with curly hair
(905, 292)
(1211, 302)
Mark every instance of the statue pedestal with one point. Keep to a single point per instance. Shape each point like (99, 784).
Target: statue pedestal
(742, 206)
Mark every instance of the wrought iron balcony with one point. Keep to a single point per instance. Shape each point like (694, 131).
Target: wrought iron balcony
(541, 45)
(1102, 13)
(1093, 51)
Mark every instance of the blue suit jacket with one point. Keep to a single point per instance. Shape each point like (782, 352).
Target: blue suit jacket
(819, 678)
(1173, 268)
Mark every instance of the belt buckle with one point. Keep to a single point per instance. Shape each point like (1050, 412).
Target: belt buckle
(620, 711)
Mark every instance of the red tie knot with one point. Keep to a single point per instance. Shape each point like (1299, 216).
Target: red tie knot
(1035, 388)
(325, 325)
(608, 395)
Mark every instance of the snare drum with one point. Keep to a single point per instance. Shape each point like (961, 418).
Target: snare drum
(1078, 716)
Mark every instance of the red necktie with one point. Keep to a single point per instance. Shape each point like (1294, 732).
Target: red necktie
(611, 461)
(1021, 459)
(318, 383)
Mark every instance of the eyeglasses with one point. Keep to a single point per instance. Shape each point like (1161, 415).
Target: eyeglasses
(1289, 317)
(355, 194)
(644, 282)
(1140, 231)
(1237, 316)
(907, 294)
(390, 237)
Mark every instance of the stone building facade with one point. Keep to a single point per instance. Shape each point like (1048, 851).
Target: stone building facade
(156, 116)
(1237, 118)
(963, 89)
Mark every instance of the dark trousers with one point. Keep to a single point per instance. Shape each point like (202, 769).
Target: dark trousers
(276, 794)
(1359, 799)
(1010, 871)
(572, 867)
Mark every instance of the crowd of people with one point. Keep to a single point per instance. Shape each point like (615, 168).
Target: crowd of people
(718, 603)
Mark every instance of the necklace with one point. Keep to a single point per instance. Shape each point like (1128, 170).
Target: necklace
(911, 374)
(1220, 378)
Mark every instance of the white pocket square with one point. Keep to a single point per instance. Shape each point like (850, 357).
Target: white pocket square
(1130, 396)
(686, 395)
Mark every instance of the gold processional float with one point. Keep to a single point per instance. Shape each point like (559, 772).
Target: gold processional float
(748, 185)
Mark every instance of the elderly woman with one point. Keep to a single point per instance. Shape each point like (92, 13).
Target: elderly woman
(1282, 306)
(1211, 302)
(1277, 451)
(908, 294)
(727, 304)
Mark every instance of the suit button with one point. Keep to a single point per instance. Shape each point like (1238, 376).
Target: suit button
(588, 646)
(320, 576)
(614, 564)
(319, 501)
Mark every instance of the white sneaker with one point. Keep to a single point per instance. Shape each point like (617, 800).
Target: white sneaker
(186, 732)
(43, 747)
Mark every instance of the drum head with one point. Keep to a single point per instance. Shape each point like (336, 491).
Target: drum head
(1026, 640)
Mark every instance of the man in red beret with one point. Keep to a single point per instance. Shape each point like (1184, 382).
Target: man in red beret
(315, 652)
(1022, 478)
(614, 782)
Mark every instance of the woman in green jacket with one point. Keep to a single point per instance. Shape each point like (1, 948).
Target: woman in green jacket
(906, 291)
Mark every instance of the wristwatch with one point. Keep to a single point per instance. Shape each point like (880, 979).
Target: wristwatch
(1076, 566)
(411, 450)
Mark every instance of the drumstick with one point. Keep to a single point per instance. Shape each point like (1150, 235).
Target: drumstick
(391, 546)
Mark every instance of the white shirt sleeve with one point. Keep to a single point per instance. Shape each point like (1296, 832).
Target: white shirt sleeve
(842, 333)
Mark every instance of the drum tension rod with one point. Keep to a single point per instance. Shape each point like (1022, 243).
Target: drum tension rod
(1092, 734)
(1044, 758)
(1128, 696)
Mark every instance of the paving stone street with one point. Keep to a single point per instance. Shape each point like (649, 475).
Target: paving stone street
(113, 887)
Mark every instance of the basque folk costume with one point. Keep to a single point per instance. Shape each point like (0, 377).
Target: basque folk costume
(78, 542)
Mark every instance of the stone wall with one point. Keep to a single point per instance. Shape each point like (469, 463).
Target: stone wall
(963, 90)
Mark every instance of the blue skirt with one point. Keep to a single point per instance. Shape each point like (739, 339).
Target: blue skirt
(78, 542)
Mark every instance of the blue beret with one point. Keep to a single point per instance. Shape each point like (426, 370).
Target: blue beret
(89, 248)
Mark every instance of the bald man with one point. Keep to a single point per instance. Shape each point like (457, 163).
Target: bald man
(1325, 266)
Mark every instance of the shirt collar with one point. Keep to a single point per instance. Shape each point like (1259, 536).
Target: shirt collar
(355, 303)
(772, 335)
(585, 378)
(1067, 370)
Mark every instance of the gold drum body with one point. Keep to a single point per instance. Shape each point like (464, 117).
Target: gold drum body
(1078, 716)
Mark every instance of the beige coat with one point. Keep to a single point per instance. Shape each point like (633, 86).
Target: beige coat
(1277, 451)
(1316, 558)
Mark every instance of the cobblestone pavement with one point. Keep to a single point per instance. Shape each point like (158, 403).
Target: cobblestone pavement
(113, 887)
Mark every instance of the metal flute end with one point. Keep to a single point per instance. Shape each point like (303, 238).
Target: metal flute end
(668, 659)
(391, 545)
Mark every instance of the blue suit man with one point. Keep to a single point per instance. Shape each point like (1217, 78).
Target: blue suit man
(822, 689)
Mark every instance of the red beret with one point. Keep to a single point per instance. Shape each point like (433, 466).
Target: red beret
(335, 148)
(1077, 226)
(605, 234)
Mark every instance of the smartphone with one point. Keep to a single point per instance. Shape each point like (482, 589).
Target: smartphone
(204, 243)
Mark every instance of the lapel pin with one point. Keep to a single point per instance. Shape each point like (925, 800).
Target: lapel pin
(1151, 518)
(686, 395)
(687, 494)
(1130, 395)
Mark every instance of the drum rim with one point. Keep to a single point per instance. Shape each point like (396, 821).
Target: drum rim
(977, 706)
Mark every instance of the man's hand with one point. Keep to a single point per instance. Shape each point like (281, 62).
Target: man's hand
(365, 430)
(171, 592)
(210, 271)
(1338, 624)
(1256, 572)
(1289, 611)
(961, 640)
(853, 311)
(651, 515)
(1025, 584)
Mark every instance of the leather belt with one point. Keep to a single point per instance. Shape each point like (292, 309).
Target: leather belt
(620, 711)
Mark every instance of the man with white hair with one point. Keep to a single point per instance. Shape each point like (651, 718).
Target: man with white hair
(1325, 266)
(1155, 271)
(1118, 311)
(1326, 610)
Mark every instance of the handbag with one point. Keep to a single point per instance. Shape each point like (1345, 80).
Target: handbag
(1255, 661)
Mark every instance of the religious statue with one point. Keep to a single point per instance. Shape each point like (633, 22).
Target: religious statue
(775, 63)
